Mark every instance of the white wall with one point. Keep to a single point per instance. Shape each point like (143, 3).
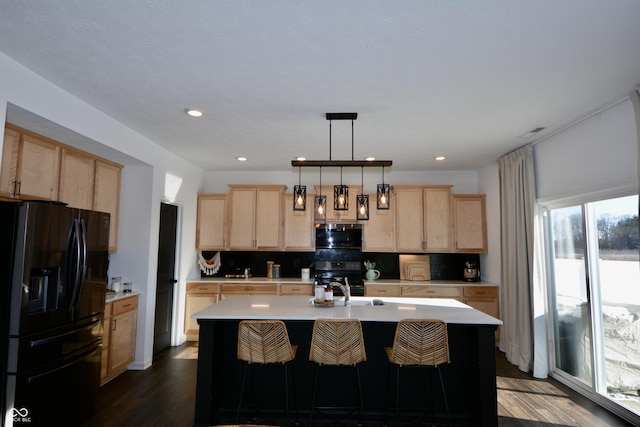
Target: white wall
(599, 153)
(489, 184)
(154, 175)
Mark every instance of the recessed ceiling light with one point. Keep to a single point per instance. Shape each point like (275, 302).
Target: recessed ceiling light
(301, 158)
(369, 159)
(241, 159)
(439, 158)
(194, 112)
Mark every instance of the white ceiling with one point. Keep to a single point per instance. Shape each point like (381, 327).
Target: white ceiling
(464, 78)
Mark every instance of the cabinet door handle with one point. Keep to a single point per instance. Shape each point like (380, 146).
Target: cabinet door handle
(115, 322)
(16, 188)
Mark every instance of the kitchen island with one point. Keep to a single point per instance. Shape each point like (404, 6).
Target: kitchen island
(470, 379)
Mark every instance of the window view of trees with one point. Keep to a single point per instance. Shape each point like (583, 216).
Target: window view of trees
(618, 237)
(618, 233)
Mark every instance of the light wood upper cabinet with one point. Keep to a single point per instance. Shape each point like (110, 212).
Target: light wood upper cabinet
(409, 218)
(32, 167)
(379, 232)
(256, 217)
(35, 167)
(469, 223)
(437, 218)
(77, 173)
(106, 196)
(211, 225)
(11, 144)
(298, 226)
(423, 218)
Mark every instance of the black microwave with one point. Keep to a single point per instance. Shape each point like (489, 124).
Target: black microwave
(339, 236)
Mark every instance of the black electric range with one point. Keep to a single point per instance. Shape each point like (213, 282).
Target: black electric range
(336, 271)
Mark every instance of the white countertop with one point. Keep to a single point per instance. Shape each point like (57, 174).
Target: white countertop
(264, 280)
(239, 307)
(114, 296)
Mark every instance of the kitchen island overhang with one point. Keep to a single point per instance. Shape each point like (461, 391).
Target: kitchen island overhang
(470, 379)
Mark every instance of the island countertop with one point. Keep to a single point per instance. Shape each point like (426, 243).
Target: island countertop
(299, 308)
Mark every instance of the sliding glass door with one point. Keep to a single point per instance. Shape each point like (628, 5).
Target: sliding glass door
(594, 277)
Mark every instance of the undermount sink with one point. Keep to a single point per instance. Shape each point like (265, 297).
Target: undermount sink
(355, 301)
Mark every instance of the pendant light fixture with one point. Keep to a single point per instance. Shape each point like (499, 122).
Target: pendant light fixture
(383, 194)
(320, 203)
(340, 196)
(362, 202)
(341, 192)
(299, 194)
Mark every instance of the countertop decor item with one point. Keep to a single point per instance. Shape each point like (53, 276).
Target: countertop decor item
(371, 274)
(415, 267)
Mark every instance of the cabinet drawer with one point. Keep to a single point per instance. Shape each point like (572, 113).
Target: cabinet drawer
(124, 305)
(233, 288)
(382, 290)
(431, 291)
(295, 289)
(481, 291)
(202, 288)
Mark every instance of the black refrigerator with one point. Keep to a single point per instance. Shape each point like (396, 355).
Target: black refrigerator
(53, 278)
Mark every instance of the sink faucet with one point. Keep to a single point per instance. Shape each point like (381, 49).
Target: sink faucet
(346, 290)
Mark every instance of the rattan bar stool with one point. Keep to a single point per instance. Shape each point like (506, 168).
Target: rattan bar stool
(419, 343)
(262, 342)
(337, 342)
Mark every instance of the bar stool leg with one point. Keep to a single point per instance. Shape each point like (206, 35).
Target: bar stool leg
(313, 396)
(397, 394)
(444, 396)
(360, 401)
(295, 398)
(244, 379)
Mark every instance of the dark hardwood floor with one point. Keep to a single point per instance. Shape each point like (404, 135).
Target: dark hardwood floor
(164, 395)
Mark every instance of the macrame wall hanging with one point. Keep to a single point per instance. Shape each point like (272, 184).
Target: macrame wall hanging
(209, 266)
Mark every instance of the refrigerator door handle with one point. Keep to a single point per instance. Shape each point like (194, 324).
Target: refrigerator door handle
(36, 343)
(82, 263)
(74, 269)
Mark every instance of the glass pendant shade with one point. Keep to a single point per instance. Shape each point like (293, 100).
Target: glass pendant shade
(382, 196)
(340, 197)
(320, 208)
(299, 197)
(362, 207)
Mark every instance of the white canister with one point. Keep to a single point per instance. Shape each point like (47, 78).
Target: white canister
(305, 274)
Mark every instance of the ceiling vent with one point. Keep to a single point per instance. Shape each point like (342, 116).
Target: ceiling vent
(532, 132)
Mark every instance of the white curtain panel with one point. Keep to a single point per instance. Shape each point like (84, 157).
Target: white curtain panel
(517, 202)
(635, 99)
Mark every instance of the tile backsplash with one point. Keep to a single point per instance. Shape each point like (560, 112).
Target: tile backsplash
(444, 266)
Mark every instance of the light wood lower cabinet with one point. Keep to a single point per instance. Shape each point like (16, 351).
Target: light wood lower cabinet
(483, 298)
(227, 289)
(202, 295)
(431, 291)
(119, 338)
(374, 290)
(199, 296)
(296, 289)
